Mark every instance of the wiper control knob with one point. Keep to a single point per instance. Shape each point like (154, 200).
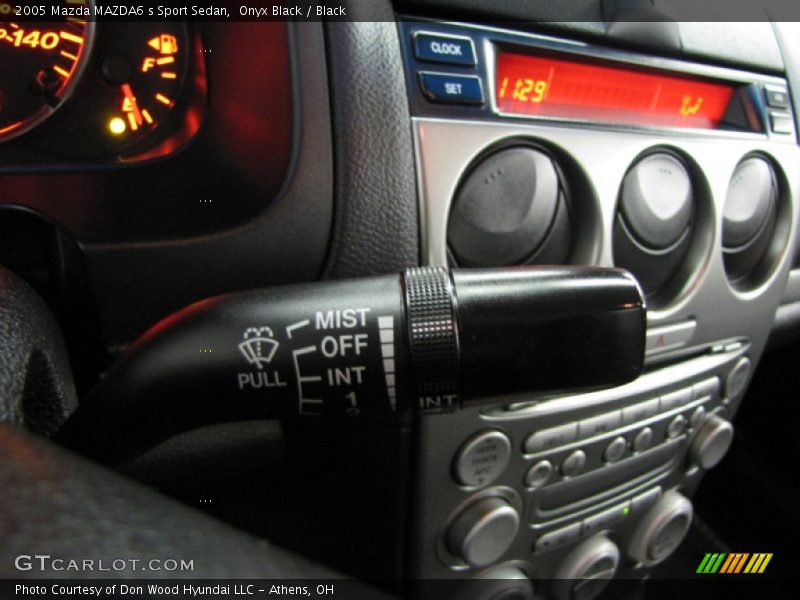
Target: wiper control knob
(425, 341)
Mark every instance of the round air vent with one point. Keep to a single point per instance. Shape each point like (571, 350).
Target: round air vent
(748, 219)
(656, 216)
(510, 209)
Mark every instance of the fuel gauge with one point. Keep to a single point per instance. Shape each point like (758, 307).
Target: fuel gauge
(147, 72)
(141, 95)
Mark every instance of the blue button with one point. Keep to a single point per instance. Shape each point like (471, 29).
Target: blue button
(444, 49)
(456, 89)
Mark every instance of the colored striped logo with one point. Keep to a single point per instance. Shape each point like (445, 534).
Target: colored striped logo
(734, 562)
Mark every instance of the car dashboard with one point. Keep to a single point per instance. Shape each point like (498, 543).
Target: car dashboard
(158, 163)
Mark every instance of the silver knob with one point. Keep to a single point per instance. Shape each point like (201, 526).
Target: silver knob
(662, 529)
(497, 583)
(483, 531)
(711, 442)
(587, 570)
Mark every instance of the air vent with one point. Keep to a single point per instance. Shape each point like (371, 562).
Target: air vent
(754, 223)
(510, 209)
(658, 216)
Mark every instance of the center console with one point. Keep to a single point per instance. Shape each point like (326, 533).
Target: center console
(539, 150)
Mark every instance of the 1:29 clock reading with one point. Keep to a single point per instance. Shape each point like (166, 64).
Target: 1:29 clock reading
(525, 90)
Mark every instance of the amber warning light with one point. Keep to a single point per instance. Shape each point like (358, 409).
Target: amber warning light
(550, 87)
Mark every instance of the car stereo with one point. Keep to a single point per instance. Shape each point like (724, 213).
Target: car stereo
(532, 149)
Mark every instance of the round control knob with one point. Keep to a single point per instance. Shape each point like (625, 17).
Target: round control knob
(748, 219)
(656, 201)
(500, 583)
(712, 440)
(504, 209)
(662, 529)
(587, 570)
(483, 531)
(482, 459)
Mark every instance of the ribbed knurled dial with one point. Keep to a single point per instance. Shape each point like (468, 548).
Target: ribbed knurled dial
(433, 332)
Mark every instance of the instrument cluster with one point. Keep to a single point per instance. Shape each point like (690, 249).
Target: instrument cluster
(104, 92)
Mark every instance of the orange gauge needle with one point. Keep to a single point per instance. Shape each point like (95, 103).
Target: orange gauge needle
(137, 114)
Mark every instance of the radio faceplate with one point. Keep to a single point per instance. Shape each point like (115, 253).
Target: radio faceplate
(577, 493)
(608, 492)
(458, 71)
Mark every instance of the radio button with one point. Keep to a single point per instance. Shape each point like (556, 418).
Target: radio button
(643, 440)
(709, 387)
(431, 47)
(605, 519)
(573, 464)
(558, 538)
(776, 97)
(645, 500)
(780, 123)
(482, 459)
(676, 399)
(599, 424)
(549, 439)
(697, 416)
(640, 412)
(737, 378)
(451, 89)
(676, 427)
(615, 450)
(538, 474)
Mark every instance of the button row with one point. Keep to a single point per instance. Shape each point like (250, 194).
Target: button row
(555, 437)
(563, 536)
(538, 475)
(778, 97)
(448, 88)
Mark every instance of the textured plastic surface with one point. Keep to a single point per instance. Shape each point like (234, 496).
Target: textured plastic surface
(59, 505)
(36, 388)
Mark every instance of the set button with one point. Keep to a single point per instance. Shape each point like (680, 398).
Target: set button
(780, 123)
(451, 88)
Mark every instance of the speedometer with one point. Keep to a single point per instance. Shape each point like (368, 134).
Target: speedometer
(40, 65)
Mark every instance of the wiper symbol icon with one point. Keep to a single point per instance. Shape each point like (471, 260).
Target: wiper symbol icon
(258, 346)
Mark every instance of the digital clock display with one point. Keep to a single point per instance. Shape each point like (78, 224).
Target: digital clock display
(554, 87)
